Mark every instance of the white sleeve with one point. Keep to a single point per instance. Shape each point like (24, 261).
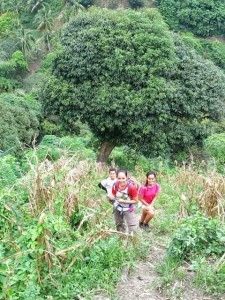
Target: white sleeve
(104, 182)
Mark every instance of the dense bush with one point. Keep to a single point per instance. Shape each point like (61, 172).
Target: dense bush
(9, 170)
(202, 17)
(210, 49)
(6, 25)
(193, 100)
(215, 146)
(136, 3)
(12, 71)
(52, 148)
(18, 124)
(198, 234)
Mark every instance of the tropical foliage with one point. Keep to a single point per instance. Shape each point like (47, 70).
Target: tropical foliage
(12, 71)
(116, 78)
(19, 123)
(153, 90)
(209, 49)
(202, 17)
(215, 146)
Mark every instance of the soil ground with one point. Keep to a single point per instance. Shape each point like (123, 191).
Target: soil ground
(145, 283)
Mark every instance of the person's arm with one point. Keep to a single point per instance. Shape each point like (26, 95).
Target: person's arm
(156, 196)
(102, 187)
(140, 197)
(112, 195)
(132, 201)
(152, 204)
(133, 194)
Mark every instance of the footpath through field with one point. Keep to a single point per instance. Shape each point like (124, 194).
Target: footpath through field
(145, 283)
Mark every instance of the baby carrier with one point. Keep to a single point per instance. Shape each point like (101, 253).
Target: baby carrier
(122, 207)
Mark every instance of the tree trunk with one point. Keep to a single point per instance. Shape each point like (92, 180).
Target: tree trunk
(105, 150)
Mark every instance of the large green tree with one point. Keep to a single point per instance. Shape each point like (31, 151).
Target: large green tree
(122, 73)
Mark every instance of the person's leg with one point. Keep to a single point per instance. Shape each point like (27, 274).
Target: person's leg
(131, 220)
(149, 216)
(143, 216)
(119, 220)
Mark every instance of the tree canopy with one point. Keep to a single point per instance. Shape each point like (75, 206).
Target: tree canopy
(124, 74)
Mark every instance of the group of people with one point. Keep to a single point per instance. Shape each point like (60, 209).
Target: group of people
(123, 193)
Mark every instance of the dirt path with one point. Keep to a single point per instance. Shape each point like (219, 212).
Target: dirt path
(141, 283)
(145, 283)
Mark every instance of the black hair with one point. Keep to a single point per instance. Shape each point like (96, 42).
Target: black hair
(112, 170)
(149, 173)
(121, 171)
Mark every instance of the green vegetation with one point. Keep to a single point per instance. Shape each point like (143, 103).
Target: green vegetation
(56, 230)
(9, 170)
(198, 234)
(202, 17)
(104, 69)
(190, 216)
(19, 122)
(215, 147)
(62, 237)
(209, 49)
(75, 80)
(12, 71)
(109, 71)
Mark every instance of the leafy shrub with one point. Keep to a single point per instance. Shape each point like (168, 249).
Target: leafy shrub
(41, 153)
(72, 143)
(136, 3)
(9, 170)
(215, 146)
(50, 140)
(209, 49)
(209, 278)
(18, 124)
(12, 70)
(86, 3)
(6, 25)
(202, 17)
(7, 46)
(52, 148)
(127, 158)
(198, 234)
(31, 82)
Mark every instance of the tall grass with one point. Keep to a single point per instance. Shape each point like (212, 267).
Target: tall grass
(63, 244)
(191, 211)
(205, 191)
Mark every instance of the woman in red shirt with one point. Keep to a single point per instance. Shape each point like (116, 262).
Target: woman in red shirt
(147, 195)
(124, 196)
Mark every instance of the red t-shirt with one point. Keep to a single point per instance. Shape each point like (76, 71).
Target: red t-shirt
(149, 193)
(131, 191)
